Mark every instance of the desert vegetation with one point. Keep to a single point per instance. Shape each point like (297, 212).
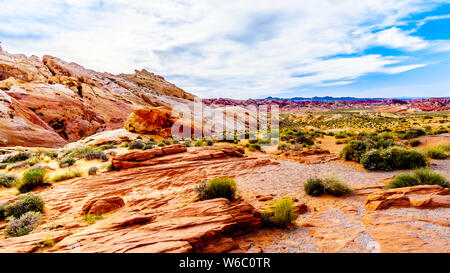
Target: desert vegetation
(438, 152)
(330, 185)
(218, 187)
(23, 225)
(33, 178)
(66, 174)
(280, 213)
(418, 177)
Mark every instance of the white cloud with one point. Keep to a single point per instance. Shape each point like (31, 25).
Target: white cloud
(218, 48)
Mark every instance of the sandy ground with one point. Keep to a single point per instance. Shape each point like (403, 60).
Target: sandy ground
(340, 224)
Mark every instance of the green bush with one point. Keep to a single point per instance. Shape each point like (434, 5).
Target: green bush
(22, 156)
(412, 133)
(33, 178)
(330, 185)
(96, 155)
(419, 177)
(7, 180)
(280, 213)
(353, 150)
(393, 158)
(314, 187)
(68, 174)
(51, 155)
(304, 139)
(33, 160)
(67, 162)
(2, 213)
(219, 187)
(110, 167)
(29, 202)
(200, 143)
(414, 142)
(254, 147)
(441, 130)
(93, 170)
(23, 225)
(340, 134)
(92, 218)
(105, 147)
(79, 153)
(438, 152)
(136, 145)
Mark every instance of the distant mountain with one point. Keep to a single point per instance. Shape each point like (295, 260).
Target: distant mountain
(329, 98)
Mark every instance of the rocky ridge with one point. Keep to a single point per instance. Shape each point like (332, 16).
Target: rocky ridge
(50, 102)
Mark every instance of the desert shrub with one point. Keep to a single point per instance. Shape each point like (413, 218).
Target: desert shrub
(440, 130)
(51, 155)
(22, 156)
(92, 170)
(166, 141)
(254, 147)
(48, 242)
(283, 147)
(412, 133)
(96, 155)
(110, 167)
(7, 180)
(304, 139)
(105, 147)
(314, 187)
(92, 218)
(209, 142)
(136, 145)
(336, 187)
(124, 145)
(253, 141)
(2, 213)
(393, 158)
(438, 152)
(33, 178)
(341, 135)
(199, 143)
(68, 174)
(219, 187)
(3, 166)
(414, 142)
(23, 225)
(353, 150)
(280, 213)
(32, 161)
(79, 153)
(330, 185)
(29, 202)
(419, 177)
(66, 162)
(19, 165)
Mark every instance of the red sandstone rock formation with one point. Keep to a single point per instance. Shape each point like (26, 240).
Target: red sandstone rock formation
(68, 100)
(426, 196)
(148, 208)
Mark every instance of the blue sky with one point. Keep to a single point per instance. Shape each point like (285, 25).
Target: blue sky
(236, 49)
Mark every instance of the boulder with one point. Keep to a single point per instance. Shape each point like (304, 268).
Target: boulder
(152, 120)
(424, 196)
(102, 205)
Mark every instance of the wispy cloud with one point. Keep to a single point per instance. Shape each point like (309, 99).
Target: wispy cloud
(217, 48)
